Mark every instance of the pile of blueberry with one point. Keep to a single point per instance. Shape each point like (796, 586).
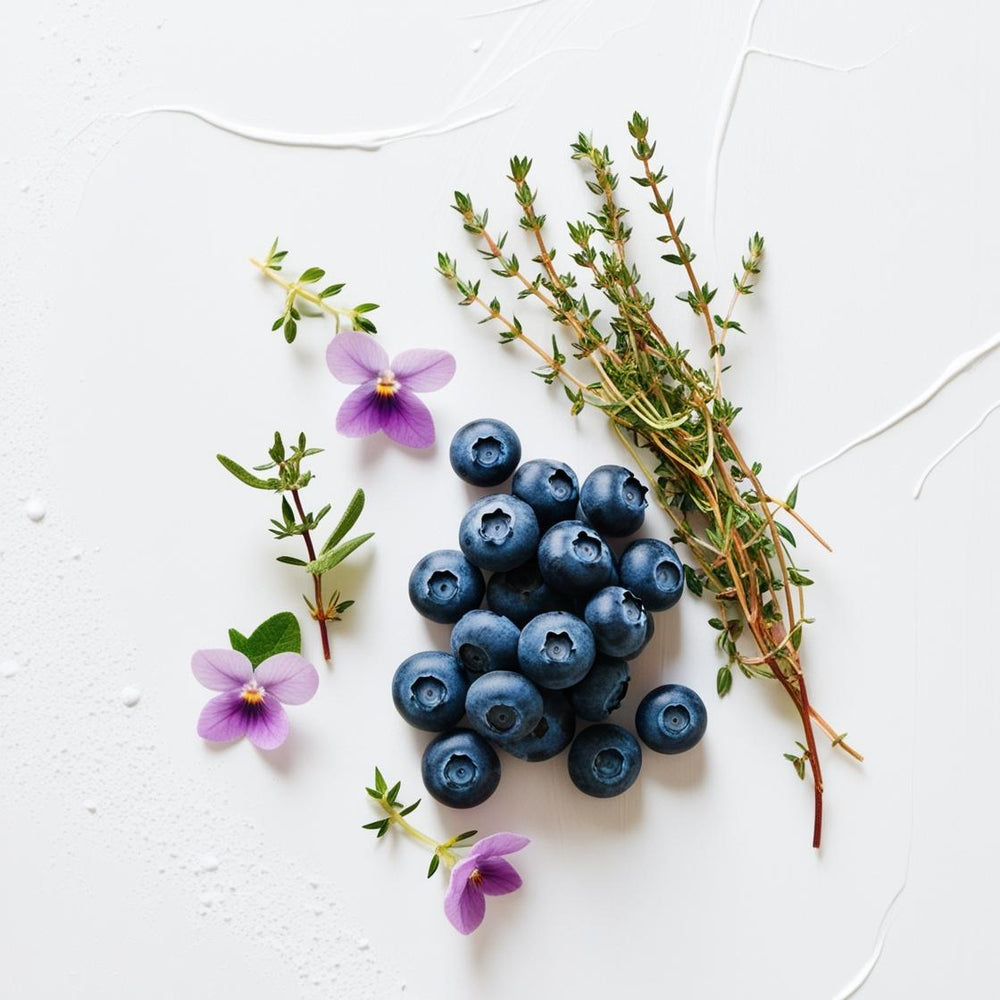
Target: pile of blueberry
(565, 616)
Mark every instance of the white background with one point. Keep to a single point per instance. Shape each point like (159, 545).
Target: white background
(135, 346)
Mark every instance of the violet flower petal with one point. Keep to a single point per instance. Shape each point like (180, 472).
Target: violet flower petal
(223, 718)
(498, 876)
(221, 669)
(497, 844)
(406, 420)
(464, 903)
(267, 723)
(362, 413)
(289, 677)
(355, 357)
(423, 370)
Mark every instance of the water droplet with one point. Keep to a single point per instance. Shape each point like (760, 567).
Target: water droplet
(209, 863)
(34, 509)
(130, 696)
(8, 668)
(90, 805)
(363, 944)
(476, 45)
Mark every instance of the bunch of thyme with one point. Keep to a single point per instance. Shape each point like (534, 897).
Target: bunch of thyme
(289, 477)
(669, 413)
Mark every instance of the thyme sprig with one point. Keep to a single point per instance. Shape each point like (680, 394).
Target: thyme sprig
(303, 290)
(289, 477)
(668, 411)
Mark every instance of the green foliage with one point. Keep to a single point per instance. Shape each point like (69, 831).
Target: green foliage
(278, 634)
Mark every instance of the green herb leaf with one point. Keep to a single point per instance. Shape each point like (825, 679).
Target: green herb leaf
(723, 681)
(245, 476)
(330, 559)
(347, 521)
(433, 866)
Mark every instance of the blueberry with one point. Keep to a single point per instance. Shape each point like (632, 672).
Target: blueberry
(653, 571)
(549, 488)
(602, 690)
(483, 641)
(556, 650)
(618, 621)
(574, 559)
(460, 769)
(552, 734)
(613, 500)
(520, 593)
(650, 631)
(484, 452)
(444, 585)
(429, 691)
(671, 719)
(498, 532)
(503, 705)
(604, 760)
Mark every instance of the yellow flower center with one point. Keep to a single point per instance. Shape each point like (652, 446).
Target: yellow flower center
(386, 384)
(476, 876)
(252, 693)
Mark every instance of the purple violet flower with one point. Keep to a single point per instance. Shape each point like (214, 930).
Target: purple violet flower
(386, 397)
(252, 701)
(482, 872)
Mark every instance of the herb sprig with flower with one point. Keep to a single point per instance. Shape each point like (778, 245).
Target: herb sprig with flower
(668, 411)
(301, 295)
(483, 872)
(290, 478)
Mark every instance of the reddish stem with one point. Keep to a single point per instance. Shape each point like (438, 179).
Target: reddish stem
(320, 613)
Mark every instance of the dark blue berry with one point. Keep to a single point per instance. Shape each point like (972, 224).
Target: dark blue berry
(618, 621)
(602, 690)
(498, 532)
(556, 650)
(604, 760)
(552, 734)
(549, 488)
(484, 452)
(445, 585)
(574, 559)
(429, 691)
(460, 769)
(503, 705)
(520, 593)
(613, 500)
(653, 571)
(671, 719)
(483, 641)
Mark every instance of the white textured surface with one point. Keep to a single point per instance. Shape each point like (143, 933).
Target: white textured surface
(137, 861)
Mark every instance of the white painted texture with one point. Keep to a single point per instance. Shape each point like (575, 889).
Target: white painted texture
(135, 860)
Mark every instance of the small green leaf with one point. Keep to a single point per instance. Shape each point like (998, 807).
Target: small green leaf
(291, 561)
(464, 836)
(373, 825)
(347, 521)
(330, 290)
(390, 796)
(384, 829)
(311, 275)
(330, 559)
(793, 497)
(279, 634)
(723, 681)
(409, 808)
(433, 866)
(380, 781)
(246, 477)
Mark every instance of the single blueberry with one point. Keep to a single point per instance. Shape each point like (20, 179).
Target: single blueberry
(552, 734)
(604, 760)
(602, 690)
(483, 640)
(549, 488)
(429, 691)
(556, 650)
(444, 585)
(574, 559)
(503, 705)
(498, 532)
(613, 500)
(520, 593)
(653, 571)
(671, 718)
(460, 769)
(484, 452)
(618, 620)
